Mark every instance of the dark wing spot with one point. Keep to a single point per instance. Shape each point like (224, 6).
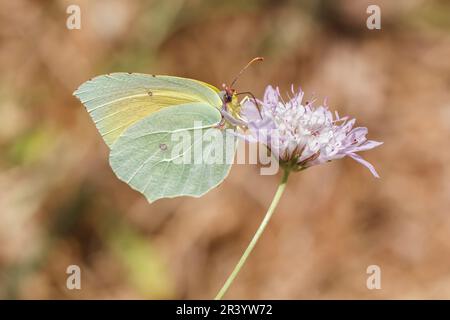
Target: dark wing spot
(150, 93)
(163, 146)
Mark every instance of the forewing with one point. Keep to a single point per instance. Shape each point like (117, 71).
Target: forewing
(116, 101)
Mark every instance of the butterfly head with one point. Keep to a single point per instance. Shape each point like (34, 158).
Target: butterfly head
(228, 94)
(231, 105)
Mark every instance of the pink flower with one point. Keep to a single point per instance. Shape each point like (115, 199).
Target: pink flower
(301, 135)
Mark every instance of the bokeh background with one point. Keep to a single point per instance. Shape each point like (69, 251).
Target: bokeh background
(60, 203)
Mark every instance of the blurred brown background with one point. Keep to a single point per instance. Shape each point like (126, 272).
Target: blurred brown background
(60, 203)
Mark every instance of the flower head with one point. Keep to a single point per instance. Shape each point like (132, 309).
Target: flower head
(301, 135)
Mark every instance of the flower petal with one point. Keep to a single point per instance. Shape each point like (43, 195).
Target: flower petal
(249, 111)
(364, 163)
(369, 144)
(271, 96)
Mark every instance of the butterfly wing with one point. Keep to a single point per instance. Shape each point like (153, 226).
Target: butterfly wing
(139, 115)
(116, 101)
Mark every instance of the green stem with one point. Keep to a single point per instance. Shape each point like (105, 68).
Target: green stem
(257, 235)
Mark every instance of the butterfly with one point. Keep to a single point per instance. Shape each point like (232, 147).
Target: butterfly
(137, 116)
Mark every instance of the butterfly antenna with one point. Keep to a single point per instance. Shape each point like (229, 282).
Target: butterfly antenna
(244, 68)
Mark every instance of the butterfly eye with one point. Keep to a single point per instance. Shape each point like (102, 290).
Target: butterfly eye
(227, 97)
